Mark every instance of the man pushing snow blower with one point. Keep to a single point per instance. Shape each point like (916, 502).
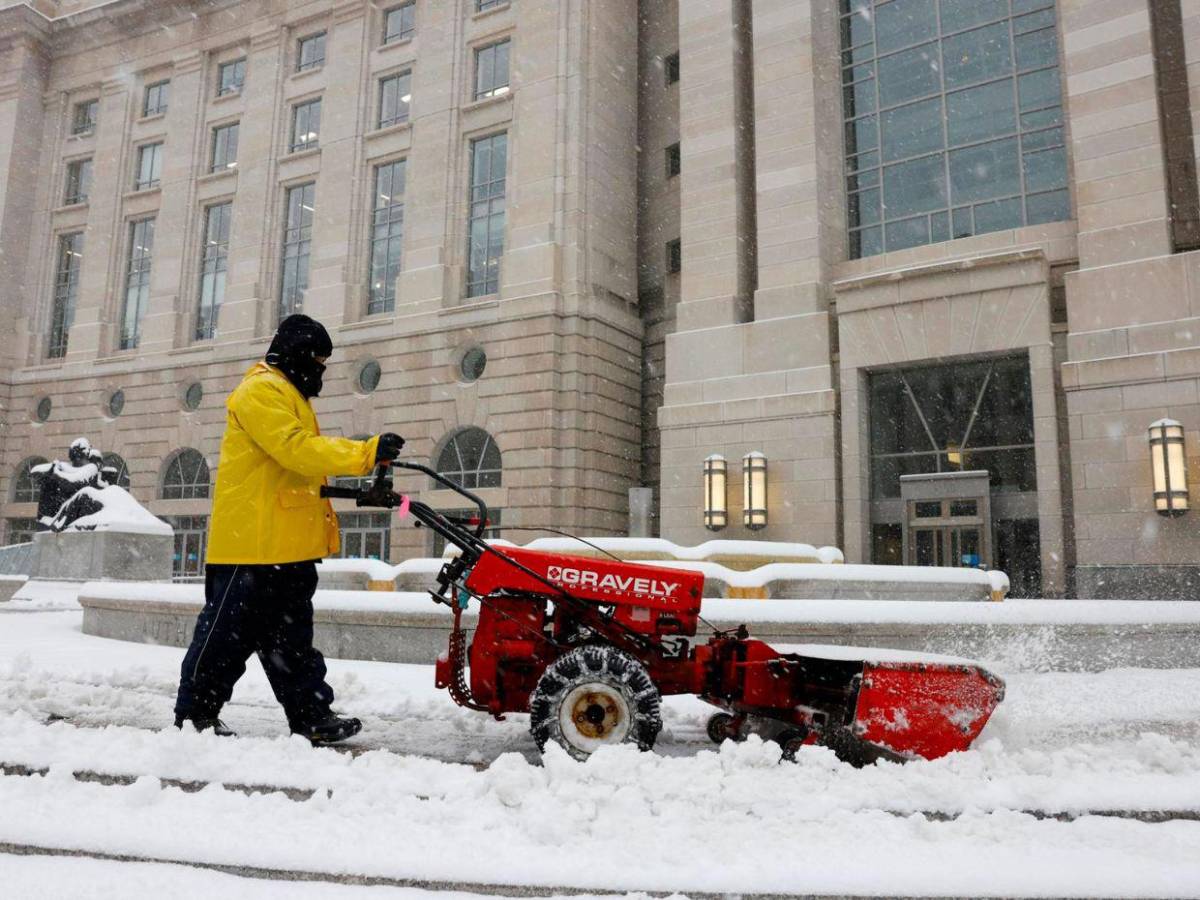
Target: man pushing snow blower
(270, 525)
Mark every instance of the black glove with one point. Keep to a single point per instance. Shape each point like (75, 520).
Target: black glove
(389, 447)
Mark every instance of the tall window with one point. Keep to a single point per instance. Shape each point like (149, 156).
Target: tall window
(191, 538)
(485, 226)
(137, 281)
(306, 125)
(310, 53)
(471, 459)
(155, 100)
(953, 120)
(231, 76)
(224, 147)
(365, 535)
(83, 119)
(214, 260)
(117, 471)
(674, 160)
(186, 477)
(395, 95)
(491, 70)
(79, 181)
(948, 418)
(25, 487)
(674, 256)
(66, 291)
(297, 240)
(400, 22)
(387, 236)
(149, 170)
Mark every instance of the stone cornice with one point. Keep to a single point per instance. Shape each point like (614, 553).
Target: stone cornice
(187, 63)
(348, 10)
(847, 285)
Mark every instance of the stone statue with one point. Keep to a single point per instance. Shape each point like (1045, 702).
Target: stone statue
(61, 482)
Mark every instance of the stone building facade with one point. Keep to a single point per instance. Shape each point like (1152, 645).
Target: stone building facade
(570, 248)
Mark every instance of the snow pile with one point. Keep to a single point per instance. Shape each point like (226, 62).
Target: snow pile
(118, 512)
(374, 569)
(659, 549)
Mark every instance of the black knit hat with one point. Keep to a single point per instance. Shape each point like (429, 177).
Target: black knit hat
(299, 334)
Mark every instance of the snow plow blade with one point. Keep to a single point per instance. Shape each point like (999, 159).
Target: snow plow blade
(911, 709)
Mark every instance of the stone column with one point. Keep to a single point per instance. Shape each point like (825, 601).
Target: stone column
(171, 316)
(1116, 137)
(254, 237)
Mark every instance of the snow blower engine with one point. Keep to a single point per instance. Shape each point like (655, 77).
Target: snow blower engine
(589, 646)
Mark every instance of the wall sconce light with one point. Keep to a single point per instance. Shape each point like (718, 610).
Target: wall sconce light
(1169, 459)
(754, 491)
(715, 508)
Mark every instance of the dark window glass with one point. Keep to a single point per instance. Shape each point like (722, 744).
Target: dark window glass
(387, 236)
(231, 77)
(481, 5)
(976, 415)
(25, 487)
(21, 531)
(66, 292)
(83, 120)
(485, 224)
(224, 147)
(471, 459)
(491, 70)
(214, 261)
(137, 281)
(928, 509)
(186, 477)
(156, 98)
(191, 539)
(368, 376)
(673, 160)
(365, 535)
(954, 107)
(395, 97)
(306, 125)
(399, 23)
(79, 181)
(887, 544)
(193, 396)
(671, 68)
(310, 52)
(115, 470)
(963, 508)
(674, 256)
(297, 241)
(149, 166)
(473, 363)
(116, 403)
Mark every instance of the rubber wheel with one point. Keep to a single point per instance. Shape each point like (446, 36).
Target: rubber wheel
(718, 728)
(592, 697)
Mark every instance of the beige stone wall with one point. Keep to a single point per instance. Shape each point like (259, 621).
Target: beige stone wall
(562, 389)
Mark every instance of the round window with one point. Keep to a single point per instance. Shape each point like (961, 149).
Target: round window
(44, 407)
(473, 363)
(193, 396)
(368, 376)
(116, 403)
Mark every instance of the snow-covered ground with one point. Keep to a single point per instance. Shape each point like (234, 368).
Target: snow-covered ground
(433, 793)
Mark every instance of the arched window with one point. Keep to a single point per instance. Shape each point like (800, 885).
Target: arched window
(186, 477)
(470, 459)
(113, 461)
(25, 488)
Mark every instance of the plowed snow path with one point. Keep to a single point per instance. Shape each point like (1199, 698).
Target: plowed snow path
(432, 792)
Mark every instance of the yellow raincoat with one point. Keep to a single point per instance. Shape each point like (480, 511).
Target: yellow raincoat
(267, 507)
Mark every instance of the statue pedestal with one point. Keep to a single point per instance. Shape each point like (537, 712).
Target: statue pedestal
(102, 556)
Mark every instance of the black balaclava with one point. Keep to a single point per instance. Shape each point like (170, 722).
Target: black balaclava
(293, 351)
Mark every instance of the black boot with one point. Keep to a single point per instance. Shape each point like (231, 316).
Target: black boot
(200, 723)
(328, 729)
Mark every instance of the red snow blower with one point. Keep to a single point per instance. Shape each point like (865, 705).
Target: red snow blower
(589, 646)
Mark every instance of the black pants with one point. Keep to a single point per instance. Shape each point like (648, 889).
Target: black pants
(263, 609)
